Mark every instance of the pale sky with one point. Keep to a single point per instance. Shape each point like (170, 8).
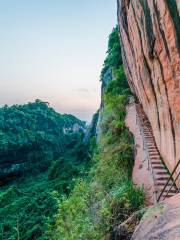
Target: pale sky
(54, 50)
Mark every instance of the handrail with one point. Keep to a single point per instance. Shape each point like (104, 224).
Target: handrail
(173, 182)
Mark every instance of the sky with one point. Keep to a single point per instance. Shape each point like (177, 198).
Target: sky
(53, 50)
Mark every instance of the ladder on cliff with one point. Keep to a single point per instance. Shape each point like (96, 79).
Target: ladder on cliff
(165, 185)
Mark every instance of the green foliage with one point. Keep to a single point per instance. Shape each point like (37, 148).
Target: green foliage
(120, 84)
(107, 196)
(113, 59)
(33, 134)
(27, 208)
(33, 202)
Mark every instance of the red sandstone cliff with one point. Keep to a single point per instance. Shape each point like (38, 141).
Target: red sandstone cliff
(150, 39)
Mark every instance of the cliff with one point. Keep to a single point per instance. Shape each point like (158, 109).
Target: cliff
(150, 42)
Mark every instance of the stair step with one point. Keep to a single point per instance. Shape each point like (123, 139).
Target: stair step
(161, 173)
(156, 162)
(170, 185)
(152, 154)
(168, 196)
(155, 158)
(162, 178)
(163, 183)
(158, 167)
(173, 191)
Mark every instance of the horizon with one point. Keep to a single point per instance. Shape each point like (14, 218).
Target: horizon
(54, 52)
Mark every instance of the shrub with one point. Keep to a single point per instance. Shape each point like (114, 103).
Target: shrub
(107, 196)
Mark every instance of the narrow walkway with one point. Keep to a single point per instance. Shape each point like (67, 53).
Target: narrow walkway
(158, 168)
(149, 170)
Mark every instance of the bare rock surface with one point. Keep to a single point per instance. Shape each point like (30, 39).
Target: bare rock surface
(150, 40)
(161, 222)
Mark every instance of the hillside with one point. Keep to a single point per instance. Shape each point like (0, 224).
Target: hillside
(41, 154)
(32, 135)
(103, 200)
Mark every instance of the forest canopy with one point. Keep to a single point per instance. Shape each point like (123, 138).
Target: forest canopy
(33, 134)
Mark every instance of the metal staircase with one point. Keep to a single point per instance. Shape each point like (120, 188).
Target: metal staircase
(165, 184)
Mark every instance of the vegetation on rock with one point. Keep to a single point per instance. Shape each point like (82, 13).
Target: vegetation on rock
(107, 197)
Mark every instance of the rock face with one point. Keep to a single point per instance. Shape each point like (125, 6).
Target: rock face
(160, 222)
(150, 39)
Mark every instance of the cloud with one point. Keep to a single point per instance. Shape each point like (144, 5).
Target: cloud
(82, 90)
(85, 92)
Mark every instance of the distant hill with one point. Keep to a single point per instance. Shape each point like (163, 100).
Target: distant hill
(42, 153)
(33, 134)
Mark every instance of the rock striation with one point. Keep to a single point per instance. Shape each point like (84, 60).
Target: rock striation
(150, 41)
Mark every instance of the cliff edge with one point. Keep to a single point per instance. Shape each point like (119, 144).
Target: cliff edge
(150, 41)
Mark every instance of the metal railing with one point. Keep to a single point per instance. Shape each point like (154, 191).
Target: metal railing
(173, 183)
